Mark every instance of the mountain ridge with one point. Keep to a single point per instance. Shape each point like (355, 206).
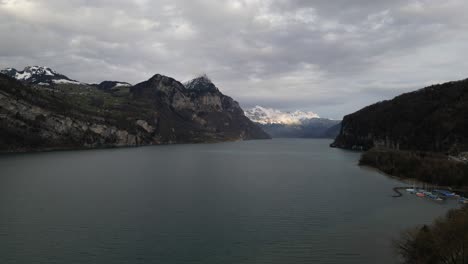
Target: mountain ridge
(434, 118)
(297, 124)
(159, 110)
(264, 115)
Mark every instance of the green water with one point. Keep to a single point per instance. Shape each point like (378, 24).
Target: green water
(273, 201)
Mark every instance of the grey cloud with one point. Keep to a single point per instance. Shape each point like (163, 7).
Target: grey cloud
(332, 57)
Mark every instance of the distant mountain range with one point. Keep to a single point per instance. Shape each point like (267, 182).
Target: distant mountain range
(263, 115)
(41, 109)
(431, 119)
(44, 76)
(297, 124)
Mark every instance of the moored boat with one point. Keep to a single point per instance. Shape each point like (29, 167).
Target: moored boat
(434, 197)
(446, 194)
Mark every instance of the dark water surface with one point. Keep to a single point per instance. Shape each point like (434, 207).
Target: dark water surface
(275, 201)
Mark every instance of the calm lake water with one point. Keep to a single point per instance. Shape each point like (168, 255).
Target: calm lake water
(273, 201)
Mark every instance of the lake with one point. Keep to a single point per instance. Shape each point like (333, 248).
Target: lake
(266, 201)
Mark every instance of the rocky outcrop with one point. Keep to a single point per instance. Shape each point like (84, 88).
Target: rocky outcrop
(431, 119)
(158, 111)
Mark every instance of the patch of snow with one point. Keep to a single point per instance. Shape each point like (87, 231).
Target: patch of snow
(264, 115)
(122, 85)
(63, 81)
(44, 84)
(49, 72)
(39, 70)
(23, 75)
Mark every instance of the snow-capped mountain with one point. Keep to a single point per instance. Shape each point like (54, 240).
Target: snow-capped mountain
(297, 124)
(265, 116)
(38, 75)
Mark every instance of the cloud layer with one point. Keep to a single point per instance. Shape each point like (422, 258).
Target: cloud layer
(332, 57)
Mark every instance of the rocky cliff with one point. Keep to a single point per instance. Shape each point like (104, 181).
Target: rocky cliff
(430, 119)
(160, 110)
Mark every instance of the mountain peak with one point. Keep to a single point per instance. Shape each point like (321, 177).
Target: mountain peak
(201, 83)
(109, 85)
(265, 115)
(156, 84)
(39, 75)
(39, 70)
(159, 78)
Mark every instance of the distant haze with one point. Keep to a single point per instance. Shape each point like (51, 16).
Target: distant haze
(330, 57)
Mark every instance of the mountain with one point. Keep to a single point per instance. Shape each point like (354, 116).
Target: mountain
(333, 131)
(202, 83)
(160, 110)
(297, 124)
(264, 116)
(111, 85)
(38, 75)
(432, 119)
(208, 110)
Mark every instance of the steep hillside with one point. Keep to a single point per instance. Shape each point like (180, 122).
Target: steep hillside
(431, 119)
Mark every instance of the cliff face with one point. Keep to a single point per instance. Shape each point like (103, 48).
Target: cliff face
(158, 111)
(198, 113)
(431, 119)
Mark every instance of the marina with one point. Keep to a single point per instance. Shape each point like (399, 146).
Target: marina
(438, 195)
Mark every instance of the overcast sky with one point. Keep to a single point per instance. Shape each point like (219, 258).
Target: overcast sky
(328, 56)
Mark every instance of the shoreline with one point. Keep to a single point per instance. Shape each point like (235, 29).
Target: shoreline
(415, 182)
(417, 168)
(84, 148)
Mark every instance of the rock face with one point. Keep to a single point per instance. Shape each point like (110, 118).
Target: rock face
(158, 111)
(209, 113)
(431, 119)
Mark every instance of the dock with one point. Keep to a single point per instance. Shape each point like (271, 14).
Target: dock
(397, 191)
